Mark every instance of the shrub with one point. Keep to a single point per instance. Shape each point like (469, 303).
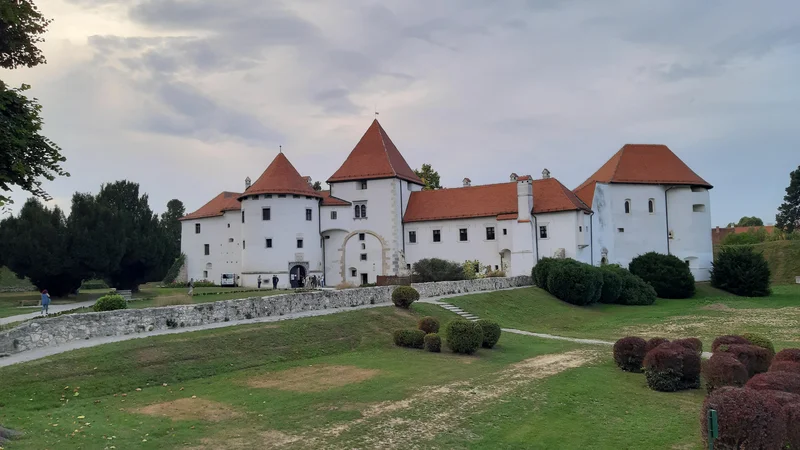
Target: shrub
(746, 419)
(629, 353)
(741, 271)
(435, 269)
(775, 381)
(788, 354)
(491, 332)
(404, 296)
(464, 336)
(429, 324)
(760, 341)
(672, 367)
(612, 285)
(655, 342)
(728, 340)
(784, 366)
(635, 291)
(495, 274)
(756, 359)
(792, 416)
(94, 284)
(471, 269)
(433, 343)
(691, 343)
(722, 369)
(541, 271)
(669, 276)
(781, 397)
(345, 285)
(576, 283)
(409, 338)
(110, 302)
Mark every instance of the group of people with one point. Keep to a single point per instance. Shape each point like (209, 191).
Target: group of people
(274, 282)
(314, 281)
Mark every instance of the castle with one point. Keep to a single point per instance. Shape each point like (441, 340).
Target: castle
(376, 219)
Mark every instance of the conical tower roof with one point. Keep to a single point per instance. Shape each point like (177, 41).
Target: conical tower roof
(375, 156)
(281, 178)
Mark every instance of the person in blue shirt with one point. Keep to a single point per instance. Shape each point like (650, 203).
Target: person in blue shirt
(45, 302)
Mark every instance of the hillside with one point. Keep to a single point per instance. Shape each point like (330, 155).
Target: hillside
(783, 258)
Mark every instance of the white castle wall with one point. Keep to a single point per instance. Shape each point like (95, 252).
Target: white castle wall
(223, 235)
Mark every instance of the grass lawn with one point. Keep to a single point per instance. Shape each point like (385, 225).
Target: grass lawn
(15, 303)
(337, 382)
(709, 314)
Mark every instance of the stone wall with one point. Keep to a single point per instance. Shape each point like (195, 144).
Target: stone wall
(469, 286)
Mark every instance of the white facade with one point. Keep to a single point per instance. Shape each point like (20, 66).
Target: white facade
(221, 238)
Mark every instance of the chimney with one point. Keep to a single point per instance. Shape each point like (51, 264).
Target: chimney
(513, 177)
(467, 182)
(524, 199)
(545, 174)
(247, 183)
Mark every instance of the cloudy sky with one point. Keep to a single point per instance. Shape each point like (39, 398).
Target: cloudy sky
(189, 97)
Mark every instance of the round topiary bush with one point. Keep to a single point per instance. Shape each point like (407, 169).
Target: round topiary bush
(655, 342)
(463, 336)
(541, 271)
(760, 341)
(742, 271)
(756, 359)
(433, 343)
(784, 366)
(782, 398)
(691, 343)
(746, 418)
(429, 324)
(728, 340)
(775, 381)
(576, 283)
(672, 367)
(491, 332)
(635, 291)
(409, 338)
(722, 369)
(612, 284)
(404, 296)
(629, 353)
(110, 302)
(788, 354)
(791, 413)
(669, 276)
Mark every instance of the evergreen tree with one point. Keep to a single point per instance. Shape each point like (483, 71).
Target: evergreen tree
(317, 186)
(788, 218)
(429, 177)
(171, 228)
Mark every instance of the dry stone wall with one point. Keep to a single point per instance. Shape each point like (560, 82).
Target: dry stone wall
(437, 289)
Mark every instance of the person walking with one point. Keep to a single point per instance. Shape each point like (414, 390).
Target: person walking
(45, 302)
(274, 282)
(322, 281)
(259, 281)
(191, 286)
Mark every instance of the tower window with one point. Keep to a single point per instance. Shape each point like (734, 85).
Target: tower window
(362, 185)
(489, 233)
(308, 213)
(543, 232)
(244, 245)
(299, 243)
(651, 206)
(462, 234)
(361, 236)
(363, 256)
(333, 215)
(699, 208)
(269, 243)
(197, 228)
(412, 237)
(627, 206)
(266, 214)
(242, 216)
(505, 231)
(206, 249)
(437, 236)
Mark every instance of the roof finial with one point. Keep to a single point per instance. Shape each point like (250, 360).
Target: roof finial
(280, 149)
(376, 111)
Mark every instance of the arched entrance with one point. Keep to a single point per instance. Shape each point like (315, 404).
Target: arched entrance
(297, 275)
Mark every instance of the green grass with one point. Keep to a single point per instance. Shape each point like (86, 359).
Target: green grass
(10, 280)
(148, 298)
(783, 258)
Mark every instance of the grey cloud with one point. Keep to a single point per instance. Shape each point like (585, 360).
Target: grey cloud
(678, 71)
(336, 101)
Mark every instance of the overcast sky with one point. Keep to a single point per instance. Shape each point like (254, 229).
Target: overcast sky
(189, 97)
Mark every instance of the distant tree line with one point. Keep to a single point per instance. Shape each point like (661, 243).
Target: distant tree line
(113, 235)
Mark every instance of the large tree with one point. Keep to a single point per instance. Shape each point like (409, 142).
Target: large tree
(429, 177)
(788, 218)
(171, 227)
(749, 221)
(26, 157)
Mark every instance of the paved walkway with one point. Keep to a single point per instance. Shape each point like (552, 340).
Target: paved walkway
(38, 311)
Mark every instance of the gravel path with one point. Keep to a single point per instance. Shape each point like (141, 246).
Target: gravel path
(38, 311)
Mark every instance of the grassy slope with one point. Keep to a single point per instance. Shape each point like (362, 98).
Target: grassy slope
(9, 279)
(590, 407)
(783, 258)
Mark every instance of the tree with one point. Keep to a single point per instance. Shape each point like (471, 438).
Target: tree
(171, 228)
(429, 177)
(25, 155)
(750, 222)
(317, 186)
(788, 218)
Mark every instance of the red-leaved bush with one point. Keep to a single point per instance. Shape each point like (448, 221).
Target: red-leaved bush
(655, 342)
(788, 354)
(728, 340)
(776, 381)
(691, 343)
(783, 398)
(792, 415)
(672, 367)
(784, 366)
(629, 353)
(756, 359)
(747, 419)
(723, 369)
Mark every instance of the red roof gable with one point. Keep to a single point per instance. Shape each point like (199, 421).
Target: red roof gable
(281, 178)
(225, 201)
(489, 200)
(641, 164)
(375, 156)
(329, 200)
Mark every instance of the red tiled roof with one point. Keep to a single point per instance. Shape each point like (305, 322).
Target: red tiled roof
(329, 200)
(281, 178)
(375, 156)
(641, 164)
(489, 200)
(225, 201)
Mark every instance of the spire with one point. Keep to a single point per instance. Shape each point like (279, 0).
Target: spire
(280, 178)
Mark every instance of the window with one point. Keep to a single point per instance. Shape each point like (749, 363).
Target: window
(437, 236)
(197, 228)
(364, 278)
(543, 232)
(229, 225)
(627, 206)
(230, 239)
(412, 237)
(358, 212)
(462, 234)
(266, 214)
(242, 216)
(244, 245)
(408, 266)
(580, 229)
(295, 196)
(651, 206)
(621, 230)
(268, 196)
(363, 246)
(363, 211)
(333, 215)
(363, 256)
(353, 273)
(505, 231)
(205, 274)
(308, 213)
(496, 267)
(206, 249)
(362, 185)
(299, 243)
(361, 236)
(281, 195)
(698, 208)
(268, 243)
(489, 233)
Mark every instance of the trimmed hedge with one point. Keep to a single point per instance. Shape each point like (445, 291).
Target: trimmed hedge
(635, 291)
(110, 302)
(433, 343)
(756, 359)
(669, 276)
(775, 381)
(428, 324)
(784, 366)
(574, 282)
(629, 353)
(404, 296)
(612, 284)
(760, 341)
(655, 342)
(792, 415)
(672, 367)
(782, 398)
(435, 269)
(491, 332)
(728, 340)
(463, 336)
(541, 271)
(746, 418)
(742, 271)
(691, 343)
(788, 354)
(722, 369)
(409, 338)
